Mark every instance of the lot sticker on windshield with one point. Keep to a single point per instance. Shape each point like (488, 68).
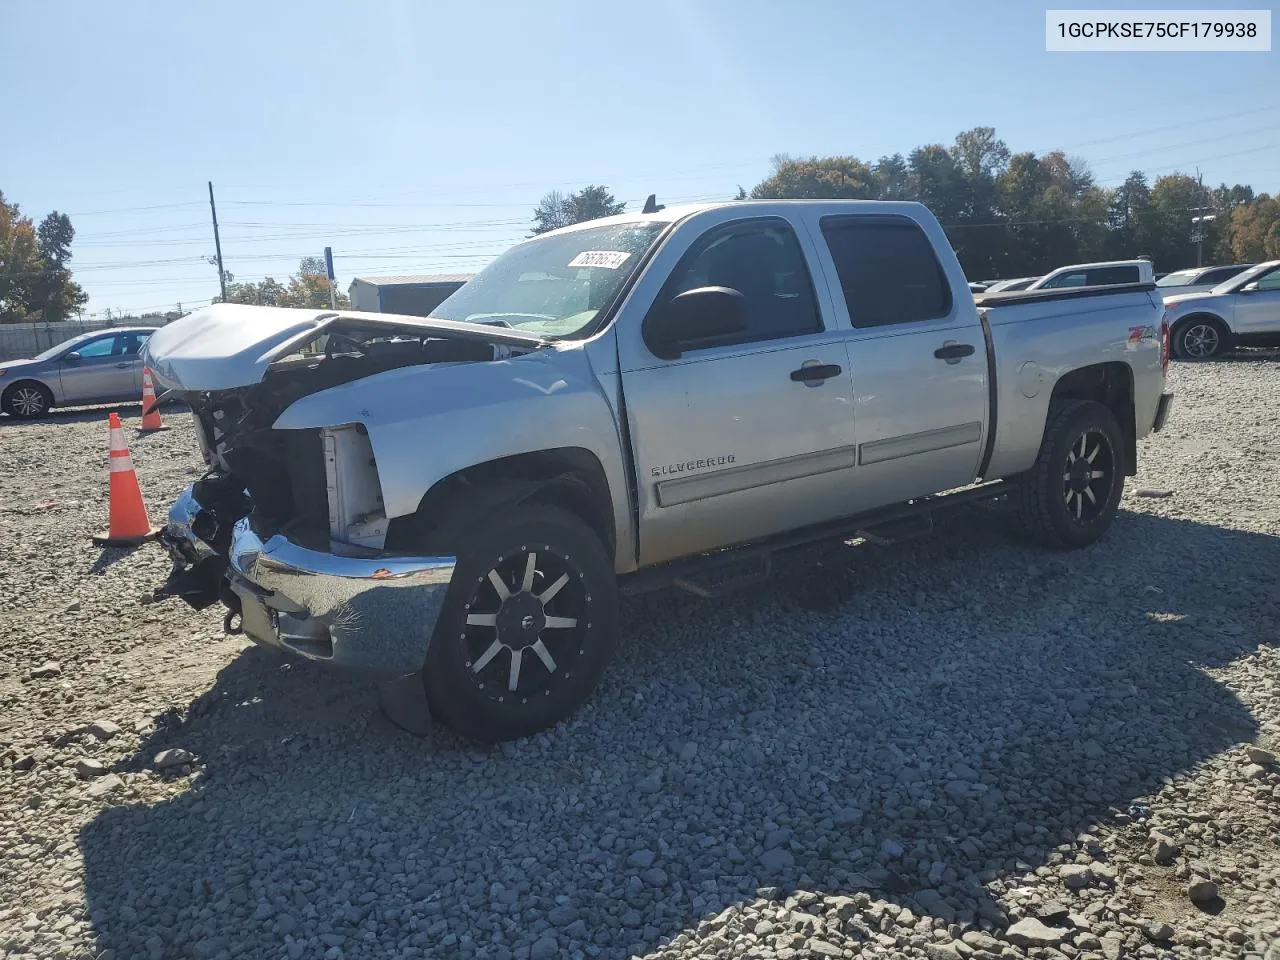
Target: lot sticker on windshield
(609, 259)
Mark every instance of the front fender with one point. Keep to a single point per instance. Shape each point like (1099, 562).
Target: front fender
(428, 422)
(17, 375)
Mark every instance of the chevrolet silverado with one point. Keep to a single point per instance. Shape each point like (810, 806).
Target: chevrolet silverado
(641, 400)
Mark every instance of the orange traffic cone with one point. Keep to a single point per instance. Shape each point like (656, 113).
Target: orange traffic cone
(150, 412)
(129, 523)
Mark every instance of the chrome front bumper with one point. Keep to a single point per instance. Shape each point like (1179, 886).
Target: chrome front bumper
(361, 610)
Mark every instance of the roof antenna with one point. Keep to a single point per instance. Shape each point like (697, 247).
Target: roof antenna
(652, 205)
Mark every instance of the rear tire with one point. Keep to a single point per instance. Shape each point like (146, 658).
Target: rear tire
(1070, 496)
(1201, 338)
(528, 626)
(27, 400)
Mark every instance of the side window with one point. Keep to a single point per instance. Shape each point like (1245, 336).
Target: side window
(887, 270)
(762, 260)
(1270, 281)
(1067, 280)
(1216, 277)
(97, 348)
(129, 344)
(1109, 276)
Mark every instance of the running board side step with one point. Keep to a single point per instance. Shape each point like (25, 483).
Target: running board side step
(722, 578)
(714, 574)
(900, 530)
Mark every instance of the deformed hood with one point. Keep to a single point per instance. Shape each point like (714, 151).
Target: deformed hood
(230, 345)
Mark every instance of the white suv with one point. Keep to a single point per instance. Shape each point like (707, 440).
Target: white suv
(1244, 311)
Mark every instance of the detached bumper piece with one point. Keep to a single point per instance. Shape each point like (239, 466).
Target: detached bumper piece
(360, 610)
(1162, 411)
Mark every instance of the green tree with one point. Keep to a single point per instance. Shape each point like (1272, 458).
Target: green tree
(1130, 221)
(19, 263)
(1225, 200)
(980, 153)
(811, 178)
(58, 295)
(308, 288)
(1175, 199)
(1023, 214)
(35, 279)
(557, 210)
(893, 179)
(53, 237)
(1255, 230)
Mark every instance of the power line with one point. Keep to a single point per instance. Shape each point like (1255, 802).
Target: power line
(1184, 163)
(153, 206)
(1175, 146)
(1173, 126)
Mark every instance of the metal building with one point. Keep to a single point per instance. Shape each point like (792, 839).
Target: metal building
(415, 296)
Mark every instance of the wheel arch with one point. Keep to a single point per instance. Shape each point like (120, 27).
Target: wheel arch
(10, 387)
(571, 478)
(1202, 315)
(1110, 384)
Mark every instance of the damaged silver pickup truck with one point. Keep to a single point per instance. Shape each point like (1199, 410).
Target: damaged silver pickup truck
(643, 400)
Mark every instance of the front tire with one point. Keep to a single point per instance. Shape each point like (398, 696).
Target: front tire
(1070, 496)
(528, 625)
(27, 400)
(1200, 338)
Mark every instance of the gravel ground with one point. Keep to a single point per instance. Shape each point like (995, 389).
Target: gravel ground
(957, 747)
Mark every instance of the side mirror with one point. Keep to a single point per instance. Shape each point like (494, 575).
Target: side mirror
(703, 313)
(1250, 287)
(72, 358)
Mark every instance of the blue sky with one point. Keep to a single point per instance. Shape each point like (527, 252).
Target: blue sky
(416, 137)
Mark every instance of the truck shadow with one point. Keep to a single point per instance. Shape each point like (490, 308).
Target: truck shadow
(883, 719)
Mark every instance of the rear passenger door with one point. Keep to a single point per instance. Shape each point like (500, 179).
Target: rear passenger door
(751, 434)
(917, 357)
(130, 351)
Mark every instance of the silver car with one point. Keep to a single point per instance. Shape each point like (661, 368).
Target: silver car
(99, 367)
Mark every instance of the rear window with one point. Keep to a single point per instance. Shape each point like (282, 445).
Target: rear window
(887, 269)
(1108, 276)
(1079, 279)
(1182, 278)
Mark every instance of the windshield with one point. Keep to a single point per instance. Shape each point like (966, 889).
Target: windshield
(64, 345)
(1240, 279)
(1182, 278)
(553, 286)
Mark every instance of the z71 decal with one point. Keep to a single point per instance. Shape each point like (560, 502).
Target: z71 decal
(1138, 334)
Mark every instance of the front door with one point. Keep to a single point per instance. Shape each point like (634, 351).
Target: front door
(1258, 312)
(750, 435)
(102, 372)
(917, 358)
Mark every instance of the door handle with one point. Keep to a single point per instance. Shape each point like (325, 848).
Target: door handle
(820, 371)
(122, 366)
(952, 352)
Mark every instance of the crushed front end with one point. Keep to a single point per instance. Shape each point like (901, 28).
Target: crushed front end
(287, 528)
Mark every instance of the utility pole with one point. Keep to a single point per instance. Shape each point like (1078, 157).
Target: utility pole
(217, 245)
(1202, 215)
(328, 270)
